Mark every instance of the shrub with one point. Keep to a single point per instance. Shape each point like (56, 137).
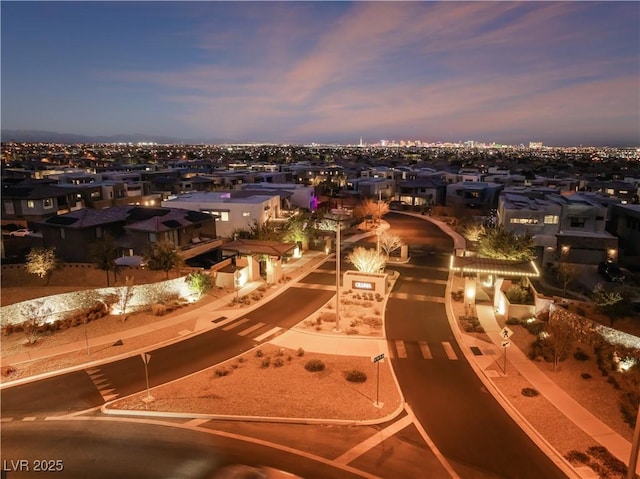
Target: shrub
(529, 392)
(314, 365)
(327, 317)
(259, 353)
(352, 331)
(355, 376)
(158, 309)
(221, 372)
(580, 355)
(265, 362)
(8, 371)
(519, 295)
(278, 363)
(241, 359)
(577, 457)
(300, 352)
(586, 376)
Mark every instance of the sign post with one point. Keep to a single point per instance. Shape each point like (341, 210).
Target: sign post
(146, 358)
(377, 359)
(505, 334)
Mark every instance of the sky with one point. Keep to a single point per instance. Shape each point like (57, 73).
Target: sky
(563, 73)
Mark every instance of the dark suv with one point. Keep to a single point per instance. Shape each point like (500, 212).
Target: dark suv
(611, 271)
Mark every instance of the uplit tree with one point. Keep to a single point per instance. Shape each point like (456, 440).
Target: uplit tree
(42, 262)
(124, 295)
(298, 229)
(367, 260)
(373, 209)
(389, 242)
(609, 303)
(162, 256)
(200, 283)
(104, 253)
(35, 313)
(557, 342)
(498, 243)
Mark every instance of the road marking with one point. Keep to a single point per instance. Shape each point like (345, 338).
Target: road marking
(316, 286)
(426, 352)
(6, 419)
(29, 418)
(271, 332)
(448, 349)
(402, 351)
(235, 325)
(251, 329)
(374, 440)
(417, 297)
(102, 384)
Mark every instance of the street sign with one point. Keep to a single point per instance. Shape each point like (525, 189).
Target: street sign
(506, 333)
(377, 358)
(506, 344)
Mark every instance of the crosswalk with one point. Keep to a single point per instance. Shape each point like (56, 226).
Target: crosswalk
(244, 327)
(104, 386)
(402, 349)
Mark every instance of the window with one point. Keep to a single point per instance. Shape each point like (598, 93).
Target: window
(95, 195)
(551, 219)
(31, 204)
(246, 214)
(8, 207)
(524, 221)
(576, 222)
(152, 237)
(47, 203)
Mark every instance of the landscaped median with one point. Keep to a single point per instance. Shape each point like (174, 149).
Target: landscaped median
(276, 383)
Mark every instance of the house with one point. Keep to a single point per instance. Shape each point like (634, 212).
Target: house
(422, 191)
(234, 209)
(625, 224)
(569, 225)
(473, 194)
(292, 195)
(134, 229)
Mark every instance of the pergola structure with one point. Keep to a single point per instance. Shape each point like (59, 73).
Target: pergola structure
(273, 251)
(492, 271)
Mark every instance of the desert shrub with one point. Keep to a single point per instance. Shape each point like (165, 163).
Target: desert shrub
(352, 331)
(318, 328)
(355, 376)
(241, 359)
(278, 363)
(457, 295)
(314, 365)
(529, 392)
(517, 294)
(265, 362)
(259, 353)
(234, 366)
(327, 317)
(586, 376)
(580, 355)
(613, 381)
(577, 457)
(471, 324)
(367, 304)
(608, 460)
(373, 322)
(221, 372)
(300, 352)
(158, 309)
(8, 371)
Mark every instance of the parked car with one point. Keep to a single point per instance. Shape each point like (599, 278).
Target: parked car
(611, 271)
(21, 232)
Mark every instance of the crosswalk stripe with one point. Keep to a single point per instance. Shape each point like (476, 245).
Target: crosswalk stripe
(448, 349)
(251, 329)
(235, 325)
(271, 332)
(426, 352)
(402, 351)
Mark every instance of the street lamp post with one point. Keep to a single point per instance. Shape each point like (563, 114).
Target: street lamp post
(338, 228)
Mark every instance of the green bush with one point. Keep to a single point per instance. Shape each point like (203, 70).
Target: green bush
(355, 376)
(314, 365)
(517, 294)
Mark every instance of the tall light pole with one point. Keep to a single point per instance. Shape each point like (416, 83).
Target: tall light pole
(339, 216)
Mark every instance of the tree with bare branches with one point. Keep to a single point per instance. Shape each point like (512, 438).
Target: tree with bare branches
(367, 260)
(389, 242)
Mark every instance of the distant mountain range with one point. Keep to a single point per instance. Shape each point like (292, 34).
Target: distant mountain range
(39, 136)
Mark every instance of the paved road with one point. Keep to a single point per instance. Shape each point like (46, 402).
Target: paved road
(479, 439)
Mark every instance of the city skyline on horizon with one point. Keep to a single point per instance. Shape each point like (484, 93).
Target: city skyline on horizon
(559, 73)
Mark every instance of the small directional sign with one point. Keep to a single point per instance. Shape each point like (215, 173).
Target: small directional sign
(377, 358)
(505, 333)
(506, 344)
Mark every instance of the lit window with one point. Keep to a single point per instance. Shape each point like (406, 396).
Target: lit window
(524, 221)
(551, 219)
(47, 203)
(31, 204)
(246, 214)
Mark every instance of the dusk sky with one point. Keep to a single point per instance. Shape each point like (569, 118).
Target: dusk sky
(564, 73)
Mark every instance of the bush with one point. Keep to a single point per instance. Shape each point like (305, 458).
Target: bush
(158, 309)
(300, 352)
(221, 372)
(529, 392)
(586, 376)
(580, 355)
(355, 376)
(517, 294)
(259, 353)
(278, 363)
(314, 365)
(265, 362)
